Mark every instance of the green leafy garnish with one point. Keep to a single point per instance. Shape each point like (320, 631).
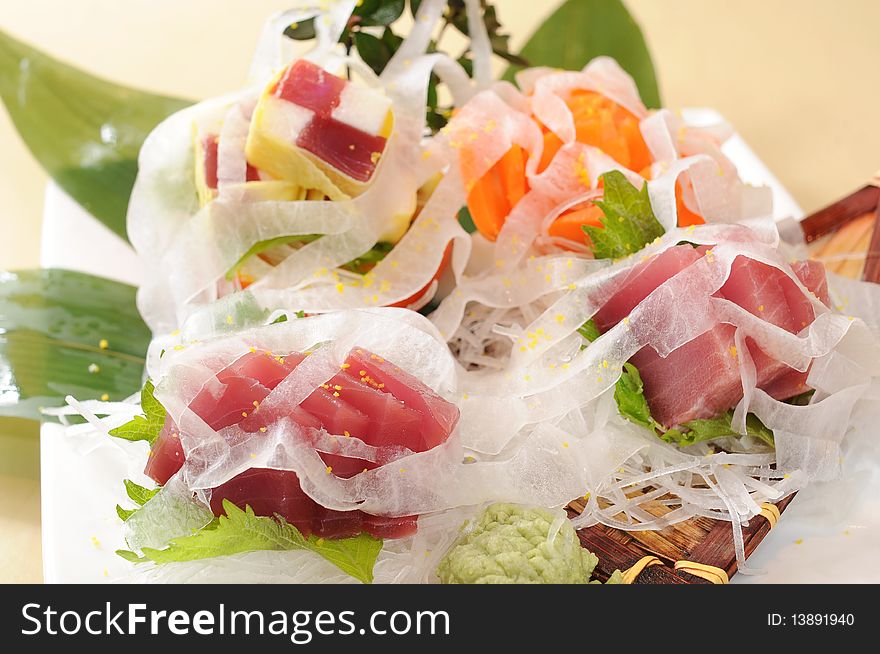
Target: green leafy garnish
(801, 400)
(262, 246)
(369, 258)
(147, 426)
(709, 429)
(629, 223)
(589, 331)
(242, 531)
(283, 317)
(629, 393)
(137, 494)
(466, 220)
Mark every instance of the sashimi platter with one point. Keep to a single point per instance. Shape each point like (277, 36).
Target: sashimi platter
(390, 351)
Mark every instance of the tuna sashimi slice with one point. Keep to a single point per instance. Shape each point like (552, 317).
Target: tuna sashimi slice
(767, 292)
(389, 420)
(642, 281)
(271, 492)
(310, 86)
(388, 409)
(166, 456)
(701, 379)
(344, 147)
(438, 417)
(812, 275)
(210, 147)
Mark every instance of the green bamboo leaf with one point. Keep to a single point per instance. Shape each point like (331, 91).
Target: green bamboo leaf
(64, 332)
(86, 132)
(583, 29)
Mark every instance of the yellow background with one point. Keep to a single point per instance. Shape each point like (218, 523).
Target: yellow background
(797, 78)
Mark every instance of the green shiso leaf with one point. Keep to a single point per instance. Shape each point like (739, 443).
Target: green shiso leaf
(697, 431)
(138, 494)
(629, 393)
(243, 531)
(629, 223)
(147, 426)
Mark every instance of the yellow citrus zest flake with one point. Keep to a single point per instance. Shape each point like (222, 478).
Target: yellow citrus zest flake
(799, 541)
(345, 366)
(329, 469)
(340, 287)
(263, 429)
(347, 434)
(229, 319)
(103, 344)
(732, 350)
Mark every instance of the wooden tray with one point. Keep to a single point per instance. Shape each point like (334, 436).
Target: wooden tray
(845, 237)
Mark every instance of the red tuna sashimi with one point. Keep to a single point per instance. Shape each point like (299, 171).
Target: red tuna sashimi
(210, 147)
(769, 293)
(166, 455)
(701, 379)
(438, 417)
(641, 281)
(812, 275)
(310, 86)
(346, 405)
(344, 147)
(269, 492)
